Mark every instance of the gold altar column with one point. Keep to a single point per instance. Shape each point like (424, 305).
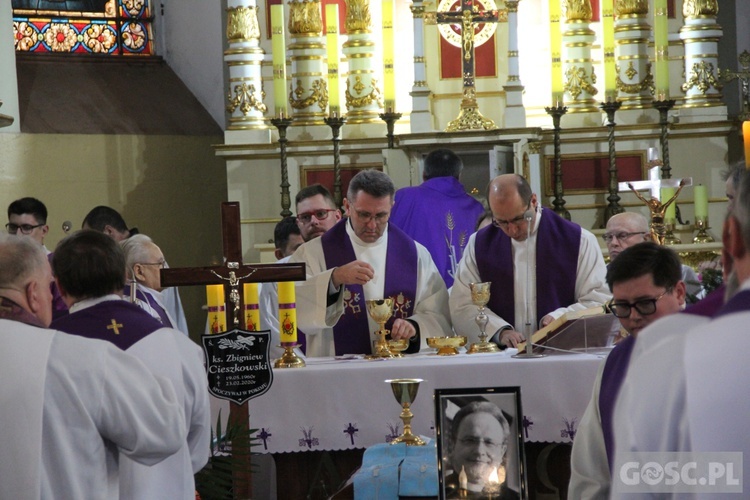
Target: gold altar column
(701, 36)
(632, 31)
(578, 67)
(515, 114)
(421, 118)
(308, 95)
(363, 97)
(243, 58)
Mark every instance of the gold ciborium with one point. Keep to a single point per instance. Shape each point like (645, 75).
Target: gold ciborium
(480, 296)
(446, 346)
(380, 310)
(405, 390)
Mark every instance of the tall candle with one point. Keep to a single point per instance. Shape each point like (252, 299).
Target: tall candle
(666, 194)
(608, 45)
(661, 46)
(287, 313)
(746, 139)
(252, 310)
(332, 44)
(217, 313)
(700, 197)
(389, 75)
(555, 39)
(278, 48)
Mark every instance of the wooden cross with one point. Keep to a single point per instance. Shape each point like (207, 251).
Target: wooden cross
(468, 17)
(232, 275)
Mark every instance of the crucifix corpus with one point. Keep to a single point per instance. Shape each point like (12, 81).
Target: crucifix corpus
(469, 18)
(233, 274)
(662, 219)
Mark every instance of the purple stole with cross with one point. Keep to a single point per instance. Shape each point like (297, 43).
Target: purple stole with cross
(351, 334)
(116, 321)
(615, 369)
(557, 245)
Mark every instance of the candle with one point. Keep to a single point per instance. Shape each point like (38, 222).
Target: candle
(653, 154)
(287, 313)
(661, 46)
(746, 139)
(278, 47)
(608, 46)
(332, 44)
(555, 44)
(389, 75)
(217, 314)
(252, 310)
(666, 195)
(700, 197)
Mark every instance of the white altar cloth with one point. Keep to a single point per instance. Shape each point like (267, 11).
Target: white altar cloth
(345, 404)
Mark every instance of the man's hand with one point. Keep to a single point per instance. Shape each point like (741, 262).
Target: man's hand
(353, 273)
(511, 338)
(547, 320)
(402, 329)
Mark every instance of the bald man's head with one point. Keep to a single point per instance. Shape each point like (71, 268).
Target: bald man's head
(510, 197)
(625, 230)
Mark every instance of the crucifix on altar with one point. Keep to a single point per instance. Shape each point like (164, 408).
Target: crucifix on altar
(660, 203)
(233, 274)
(469, 18)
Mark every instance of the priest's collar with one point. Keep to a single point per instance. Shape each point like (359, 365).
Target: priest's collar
(85, 303)
(11, 311)
(356, 241)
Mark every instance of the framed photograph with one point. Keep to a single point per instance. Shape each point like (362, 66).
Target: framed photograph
(480, 443)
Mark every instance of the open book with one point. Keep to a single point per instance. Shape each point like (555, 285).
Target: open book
(588, 329)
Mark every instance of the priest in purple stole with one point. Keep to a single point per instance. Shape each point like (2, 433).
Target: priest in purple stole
(364, 257)
(540, 266)
(646, 283)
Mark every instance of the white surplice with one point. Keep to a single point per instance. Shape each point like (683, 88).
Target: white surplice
(317, 320)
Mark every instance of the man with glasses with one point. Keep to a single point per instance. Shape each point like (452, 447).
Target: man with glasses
(364, 257)
(540, 265)
(646, 285)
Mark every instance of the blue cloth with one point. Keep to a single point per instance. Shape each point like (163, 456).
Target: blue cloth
(390, 471)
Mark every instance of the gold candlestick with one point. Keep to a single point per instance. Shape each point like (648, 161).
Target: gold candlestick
(289, 358)
(405, 390)
(701, 225)
(480, 296)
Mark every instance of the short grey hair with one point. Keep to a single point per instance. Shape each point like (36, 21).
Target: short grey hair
(137, 250)
(20, 259)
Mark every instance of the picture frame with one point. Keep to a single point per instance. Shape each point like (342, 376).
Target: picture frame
(477, 410)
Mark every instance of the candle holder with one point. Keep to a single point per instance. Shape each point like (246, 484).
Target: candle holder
(669, 237)
(282, 123)
(336, 122)
(289, 358)
(480, 296)
(405, 390)
(557, 112)
(701, 225)
(664, 106)
(613, 208)
(390, 118)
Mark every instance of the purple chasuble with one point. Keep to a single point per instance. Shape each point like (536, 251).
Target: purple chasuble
(12, 311)
(615, 369)
(440, 215)
(150, 300)
(351, 334)
(709, 305)
(116, 321)
(558, 243)
(740, 302)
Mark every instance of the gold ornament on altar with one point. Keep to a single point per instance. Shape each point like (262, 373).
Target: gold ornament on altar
(454, 37)
(242, 24)
(630, 7)
(658, 211)
(358, 16)
(447, 346)
(305, 18)
(246, 98)
(577, 10)
(480, 296)
(405, 391)
(692, 9)
(380, 310)
(318, 94)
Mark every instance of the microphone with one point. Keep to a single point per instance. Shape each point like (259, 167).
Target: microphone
(67, 226)
(528, 215)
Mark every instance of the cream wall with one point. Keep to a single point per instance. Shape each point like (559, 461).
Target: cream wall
(170, 187)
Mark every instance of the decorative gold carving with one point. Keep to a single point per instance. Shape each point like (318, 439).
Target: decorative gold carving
(318, 93)
(420, 83)
(417, 11)
(305, 18)
(535, 147)
(242, 24)
(358, 16)
(485, 32)
(631, 71)
(512, 53)
(577, 81)
(630, 7)
(577, 10)
(419, 59)
(361, 102)
(634, 88)
(245, 99)
(512, 5)
(470, 119)
(698, 8)
(702, 76)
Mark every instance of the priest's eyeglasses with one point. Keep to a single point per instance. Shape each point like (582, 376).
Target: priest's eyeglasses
(162, 263)
(24, 228)
(322, 214)
(608, 237)
(516, 221)
(644, 307)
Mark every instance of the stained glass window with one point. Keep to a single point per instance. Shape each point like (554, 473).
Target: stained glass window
(108, 27)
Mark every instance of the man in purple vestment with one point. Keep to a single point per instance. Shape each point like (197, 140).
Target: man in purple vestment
(646, 285)
(439, 213)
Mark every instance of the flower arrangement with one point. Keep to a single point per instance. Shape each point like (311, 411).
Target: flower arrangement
(710, 277)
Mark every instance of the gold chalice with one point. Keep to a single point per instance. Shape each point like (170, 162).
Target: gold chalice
(480, 296)
(405, 390)
(380, 310)
(446, 346)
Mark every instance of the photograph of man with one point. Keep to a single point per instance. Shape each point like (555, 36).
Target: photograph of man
(478, 440)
